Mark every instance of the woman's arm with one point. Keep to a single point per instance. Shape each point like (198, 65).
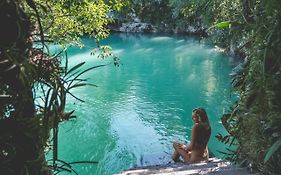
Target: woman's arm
(193, 138)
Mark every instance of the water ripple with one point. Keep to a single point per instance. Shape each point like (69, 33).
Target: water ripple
(141, 107)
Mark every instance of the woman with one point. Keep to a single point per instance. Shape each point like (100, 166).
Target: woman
(197, 150)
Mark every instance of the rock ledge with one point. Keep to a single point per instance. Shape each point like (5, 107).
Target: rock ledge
(214, 166)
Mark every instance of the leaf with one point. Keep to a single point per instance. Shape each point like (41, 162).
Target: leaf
(77, 85)
(75, 97)
(74, 68)
(272, 150)
(221, 25)
(43, 8)
(82, 72)
(79, 162)
(31, 4)
(5, 97)
(81, 84)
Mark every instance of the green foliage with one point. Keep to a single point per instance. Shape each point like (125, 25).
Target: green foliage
(179, 14)
(250, 27)
(34, 84)
(272, 150)
(66, 20)
(222, 25)
(156, 12)
(254, 30)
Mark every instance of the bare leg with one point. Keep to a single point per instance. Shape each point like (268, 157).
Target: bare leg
(184, 154)
(176, 155)
(179, 151)
(189, 156)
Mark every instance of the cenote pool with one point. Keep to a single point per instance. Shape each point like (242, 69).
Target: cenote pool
(142, 106)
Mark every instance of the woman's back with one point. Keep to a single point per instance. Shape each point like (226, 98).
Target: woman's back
(202, 135)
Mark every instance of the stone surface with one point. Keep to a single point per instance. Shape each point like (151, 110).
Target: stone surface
(136, 27)
(214, 167)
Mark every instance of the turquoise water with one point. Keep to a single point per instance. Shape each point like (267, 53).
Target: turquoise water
(142, 106)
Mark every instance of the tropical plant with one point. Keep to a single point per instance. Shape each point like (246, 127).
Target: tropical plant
(251, 27)
(156, 12)
(34, 82)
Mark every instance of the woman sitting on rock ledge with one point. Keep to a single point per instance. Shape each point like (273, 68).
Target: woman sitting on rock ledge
(197, 150)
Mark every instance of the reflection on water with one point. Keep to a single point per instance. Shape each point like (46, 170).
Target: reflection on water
(141, 107)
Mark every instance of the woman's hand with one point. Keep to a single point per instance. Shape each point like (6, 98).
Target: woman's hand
(188, 147)
(185, 147)
(182, 146)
